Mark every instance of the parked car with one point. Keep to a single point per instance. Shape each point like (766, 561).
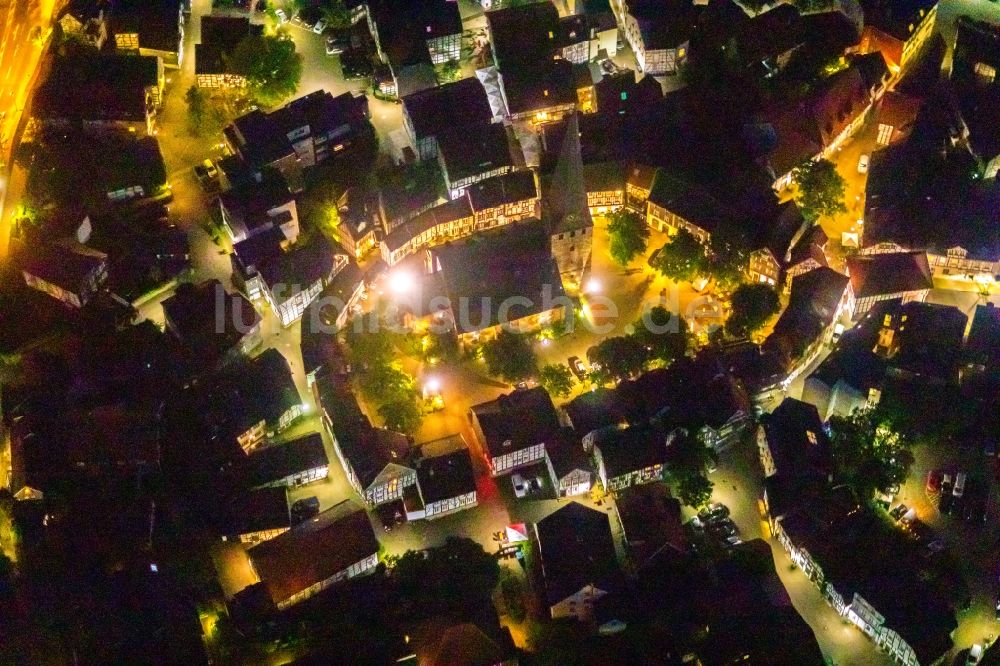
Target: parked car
(975, 655)
(723, 529)
(320, 26)
(578, 367)
(863, 164)
(208, 175)
(898, 512)
(947, 500)
(337, 42)
(934, 478)
(520, 485)
(304, 509)
(714, 512)
(281, 15)
(959, 488)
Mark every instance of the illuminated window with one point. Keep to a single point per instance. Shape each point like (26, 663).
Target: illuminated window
(987, 72)
(811, 436)
(884, 134)
(624, 96)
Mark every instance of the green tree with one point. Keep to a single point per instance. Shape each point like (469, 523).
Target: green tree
(617, 358)
(336, 15)
(454, 577)
(694, 490)
(271, 66)
(663, 334)
(196, 102)
(729, 257)
(629, 233)
(450, 70)
(683, 259)
(820, 189)
(510, 357)
(752, 306)
(871, 453)
(557, 379)
(403, 415)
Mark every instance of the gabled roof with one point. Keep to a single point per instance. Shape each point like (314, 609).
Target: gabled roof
(898, 18)
(157, 22)
(626, 450)
(259, 510)
(517, 420)
(566, 453)
(651, 520)
(447, 476)
(455, 104)
(500, 190)
(691, 203)
(815, 298)
(192, 314)
(984, 334)
(798, 443)
(663, 24)
(592, 410)
(889, 273)
(277, 461)
(314, 551)
(65, 267)
(489, 268)
(472, 150)
(97, 87)
(368, 450)
(576, 550)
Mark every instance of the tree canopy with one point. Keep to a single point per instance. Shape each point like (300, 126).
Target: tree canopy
(870, 453)
(557, 379)
(687, 459)
(617, 358)
(628, 233)
(271, 66)
(454, 577)
(510, 356)
(753, 305)
(683, 259)
(820, 189)
(662, 334)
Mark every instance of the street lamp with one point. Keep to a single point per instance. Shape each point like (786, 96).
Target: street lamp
(401, 281)
(593, 286)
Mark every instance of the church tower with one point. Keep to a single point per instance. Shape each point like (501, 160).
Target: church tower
(564, 207)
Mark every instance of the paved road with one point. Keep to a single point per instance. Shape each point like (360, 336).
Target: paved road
(19, 58)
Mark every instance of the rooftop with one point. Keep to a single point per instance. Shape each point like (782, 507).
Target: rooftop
(446, 476)
(517, 420)
(220, 35)
(66, 267)
(449, 106)
(889, 273)
(277, 461)
(625, 450)
(898, 18)
(260, 510)
(797, 440)
(663, 24)
(157, 22)
(576, 550)
(480, 273)
(192, 314)
(97, 87)
(314, 551)
(471, 151)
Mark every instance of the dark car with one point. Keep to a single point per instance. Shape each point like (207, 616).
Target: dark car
(304, 509)
(337, 42)
(898, 512)
(713, 513)
(356, 64)
(947, 498)
(723, 529)
(578, 368)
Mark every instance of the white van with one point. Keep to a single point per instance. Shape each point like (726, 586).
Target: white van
(959, 489)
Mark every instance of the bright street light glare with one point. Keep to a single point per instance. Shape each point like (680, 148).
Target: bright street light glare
(432, 385)
(400, 281)
(593, 285)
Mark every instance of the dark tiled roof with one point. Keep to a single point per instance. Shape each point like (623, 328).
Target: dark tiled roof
(301, 266)
(481, 273)
(813, 304)
(472, 150)
(691, 203)
(192, 314)
(64, 267)
(367, 449)
(501, 190)
(313, 551)
(631, 449)
(663, 24)
(889, 273)
(447, 476)
(92, 86)
(896, 17)
(451, 105)
(566, 453)
(277, 461)
(450, 211)
(798, 443)
(157, 22)
(576, 550)
(259, 510)
(651, 520)
(593, 410)
(984, 335)
(517, 420)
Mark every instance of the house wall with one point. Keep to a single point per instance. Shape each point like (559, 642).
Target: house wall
(76, 300)
(529, 324)
(863, 305)
(292, 308)
(251, 539)
(357, 569)
(445, 48)
(579, 605)
(572, 251)
(387, 490)
(764, 267)
(664, 220)
(605, 201)
(587, 49)
(221, 81)
(508, 462)
(450, 505)
(764, 453)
